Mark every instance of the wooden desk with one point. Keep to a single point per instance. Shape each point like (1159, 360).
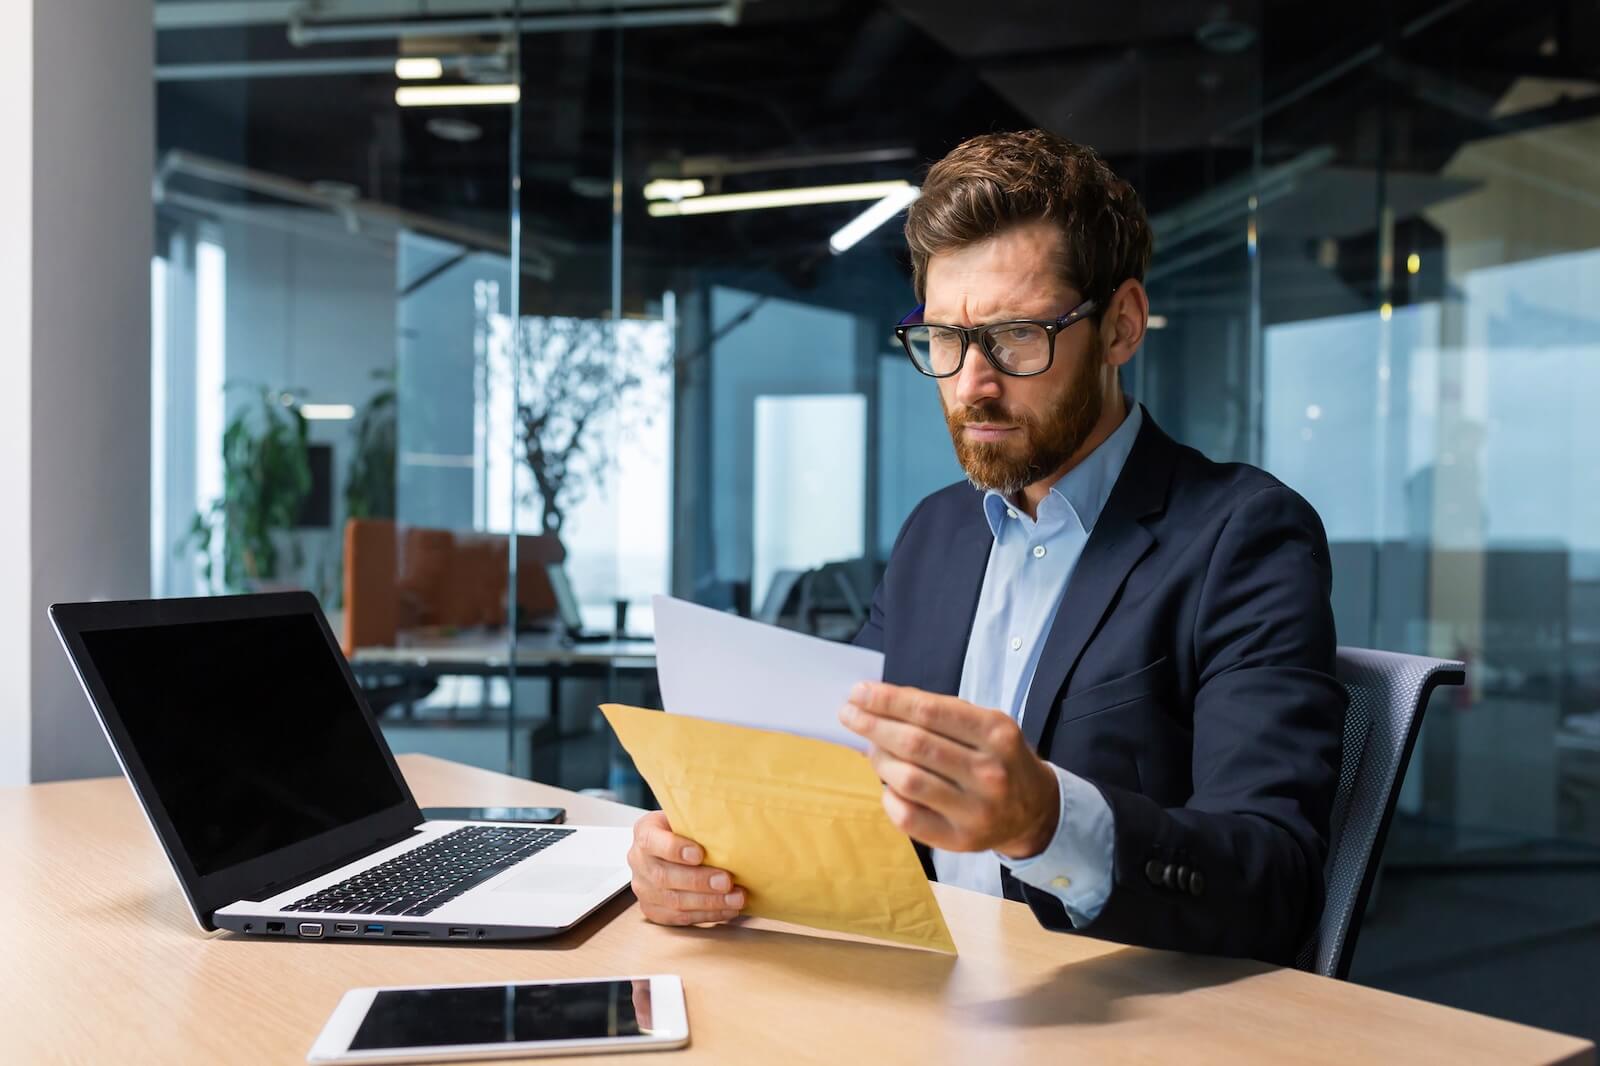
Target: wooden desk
(489, 655)
(103, 963)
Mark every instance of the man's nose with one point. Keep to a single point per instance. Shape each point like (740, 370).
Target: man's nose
(977, 380)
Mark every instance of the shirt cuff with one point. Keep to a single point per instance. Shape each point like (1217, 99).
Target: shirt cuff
(1075, 866)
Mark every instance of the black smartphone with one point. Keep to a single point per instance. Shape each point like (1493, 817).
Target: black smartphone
(495, 814)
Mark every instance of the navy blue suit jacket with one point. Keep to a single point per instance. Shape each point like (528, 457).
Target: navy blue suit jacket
(1188, 675)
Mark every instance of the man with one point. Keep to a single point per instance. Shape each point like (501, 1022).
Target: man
(1108, 663)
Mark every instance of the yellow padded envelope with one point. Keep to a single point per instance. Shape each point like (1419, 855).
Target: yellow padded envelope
(798, 822)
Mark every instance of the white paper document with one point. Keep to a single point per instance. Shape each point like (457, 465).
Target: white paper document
(729, 669)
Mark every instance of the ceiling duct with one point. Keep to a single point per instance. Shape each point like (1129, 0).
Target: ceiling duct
(327, 21)
(367, 217)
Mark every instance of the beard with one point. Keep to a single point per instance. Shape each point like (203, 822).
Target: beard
(1046, 443)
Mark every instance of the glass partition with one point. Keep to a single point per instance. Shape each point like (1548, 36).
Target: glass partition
(487, 375)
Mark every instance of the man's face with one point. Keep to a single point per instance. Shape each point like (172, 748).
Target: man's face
(1008, 431)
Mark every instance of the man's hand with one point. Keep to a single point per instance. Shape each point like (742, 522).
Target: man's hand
(672, 887)
(959, 777)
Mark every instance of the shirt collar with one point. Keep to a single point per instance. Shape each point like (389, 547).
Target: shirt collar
(1087, 486)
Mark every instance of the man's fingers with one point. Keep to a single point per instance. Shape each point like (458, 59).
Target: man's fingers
(945, 715)
(664, 875)
(691, 917)
(654, 836)
(695, 902)
(916, 784)
(922, 824)
(921, 747)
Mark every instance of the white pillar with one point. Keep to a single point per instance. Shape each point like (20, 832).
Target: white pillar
(77, 120)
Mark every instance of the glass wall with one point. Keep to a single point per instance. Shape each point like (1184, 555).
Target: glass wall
(1428, 355)
(1376, 225)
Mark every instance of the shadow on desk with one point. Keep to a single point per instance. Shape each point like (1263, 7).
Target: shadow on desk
(1107, 988)
(813, 955)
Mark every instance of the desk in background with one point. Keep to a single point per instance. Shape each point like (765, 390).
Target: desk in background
(405, 671)
(105, 964)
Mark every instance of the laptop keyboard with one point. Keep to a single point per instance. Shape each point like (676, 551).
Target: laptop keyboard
(432, 875)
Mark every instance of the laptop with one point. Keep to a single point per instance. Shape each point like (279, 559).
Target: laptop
(266, 779)
(571, 617)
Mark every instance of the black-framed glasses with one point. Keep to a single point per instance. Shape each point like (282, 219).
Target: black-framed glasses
(1021, 348)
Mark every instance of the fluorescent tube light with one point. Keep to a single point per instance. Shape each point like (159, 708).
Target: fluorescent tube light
(455, 95)
(418, 68)
(1157, 322)
(852, 232)
(327, 412)
(673, 189)
(754, 201)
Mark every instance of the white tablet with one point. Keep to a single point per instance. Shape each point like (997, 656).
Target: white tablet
(440, 1023)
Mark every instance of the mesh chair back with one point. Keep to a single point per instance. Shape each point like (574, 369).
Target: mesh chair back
(1388, 693)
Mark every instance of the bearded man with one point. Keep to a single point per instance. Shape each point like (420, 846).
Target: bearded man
(1108, 661)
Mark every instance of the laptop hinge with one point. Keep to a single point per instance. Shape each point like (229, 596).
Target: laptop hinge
(272, 888)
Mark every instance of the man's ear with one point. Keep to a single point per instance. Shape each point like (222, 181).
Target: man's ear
(1123, 324)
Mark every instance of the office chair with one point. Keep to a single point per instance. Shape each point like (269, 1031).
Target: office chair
(1388, 694)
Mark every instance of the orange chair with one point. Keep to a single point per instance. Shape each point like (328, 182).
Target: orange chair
(398, 578)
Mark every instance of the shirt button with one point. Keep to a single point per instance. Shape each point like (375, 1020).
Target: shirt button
(1038, 551)
(1010, 513)
(1061, 882)
(1016, 643)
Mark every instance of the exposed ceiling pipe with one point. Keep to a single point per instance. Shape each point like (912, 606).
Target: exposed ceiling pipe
(302, 32)
(1337, 71)
(355, 211)
(719, 166)
(210, 14)
(1231, 199)
(305, 68)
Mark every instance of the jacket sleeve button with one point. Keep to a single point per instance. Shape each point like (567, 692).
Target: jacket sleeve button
(1197, 884)
(1152, 871)
(1169, 876)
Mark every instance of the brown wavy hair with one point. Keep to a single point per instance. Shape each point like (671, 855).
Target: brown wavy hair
(992, 182)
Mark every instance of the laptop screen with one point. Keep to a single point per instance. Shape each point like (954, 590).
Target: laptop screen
(247, 729)
(566, 602)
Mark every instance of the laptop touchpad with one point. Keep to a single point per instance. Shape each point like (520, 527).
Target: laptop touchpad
(554, 879)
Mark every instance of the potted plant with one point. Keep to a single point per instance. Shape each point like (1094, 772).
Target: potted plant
(266, 476)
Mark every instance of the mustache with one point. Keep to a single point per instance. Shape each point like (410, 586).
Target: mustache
(985, 415)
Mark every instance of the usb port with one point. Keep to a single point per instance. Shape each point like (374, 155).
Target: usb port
(274, 927)
(346, 927)
(456, 930)
(311, 929)
(374, 928)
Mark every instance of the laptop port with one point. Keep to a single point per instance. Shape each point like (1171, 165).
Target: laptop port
(408, 932)
(311, 929)
(346, 927)
(456, 930)
(374, 928)
(274, 927)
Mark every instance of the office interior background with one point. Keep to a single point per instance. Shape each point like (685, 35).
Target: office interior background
(418, 329)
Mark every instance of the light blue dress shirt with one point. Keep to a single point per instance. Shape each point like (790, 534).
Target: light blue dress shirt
(1029, 567)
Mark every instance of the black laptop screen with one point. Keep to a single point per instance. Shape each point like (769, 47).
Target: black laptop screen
(248, 731)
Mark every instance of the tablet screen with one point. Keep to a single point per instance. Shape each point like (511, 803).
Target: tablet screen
(503, 1014)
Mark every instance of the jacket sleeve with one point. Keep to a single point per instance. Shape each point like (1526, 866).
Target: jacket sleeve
(1238, 869)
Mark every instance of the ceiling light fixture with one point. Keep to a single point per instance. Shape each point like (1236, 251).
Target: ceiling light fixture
(857, 229)
(327, 412)
(418, 68)
(456, 95)
(754, 201)
(674, 189)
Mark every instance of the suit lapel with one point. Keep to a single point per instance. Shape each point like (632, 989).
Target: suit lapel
(954, 605)
(1119, 540)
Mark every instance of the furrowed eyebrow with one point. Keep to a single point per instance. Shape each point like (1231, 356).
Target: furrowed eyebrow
(998, 317)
